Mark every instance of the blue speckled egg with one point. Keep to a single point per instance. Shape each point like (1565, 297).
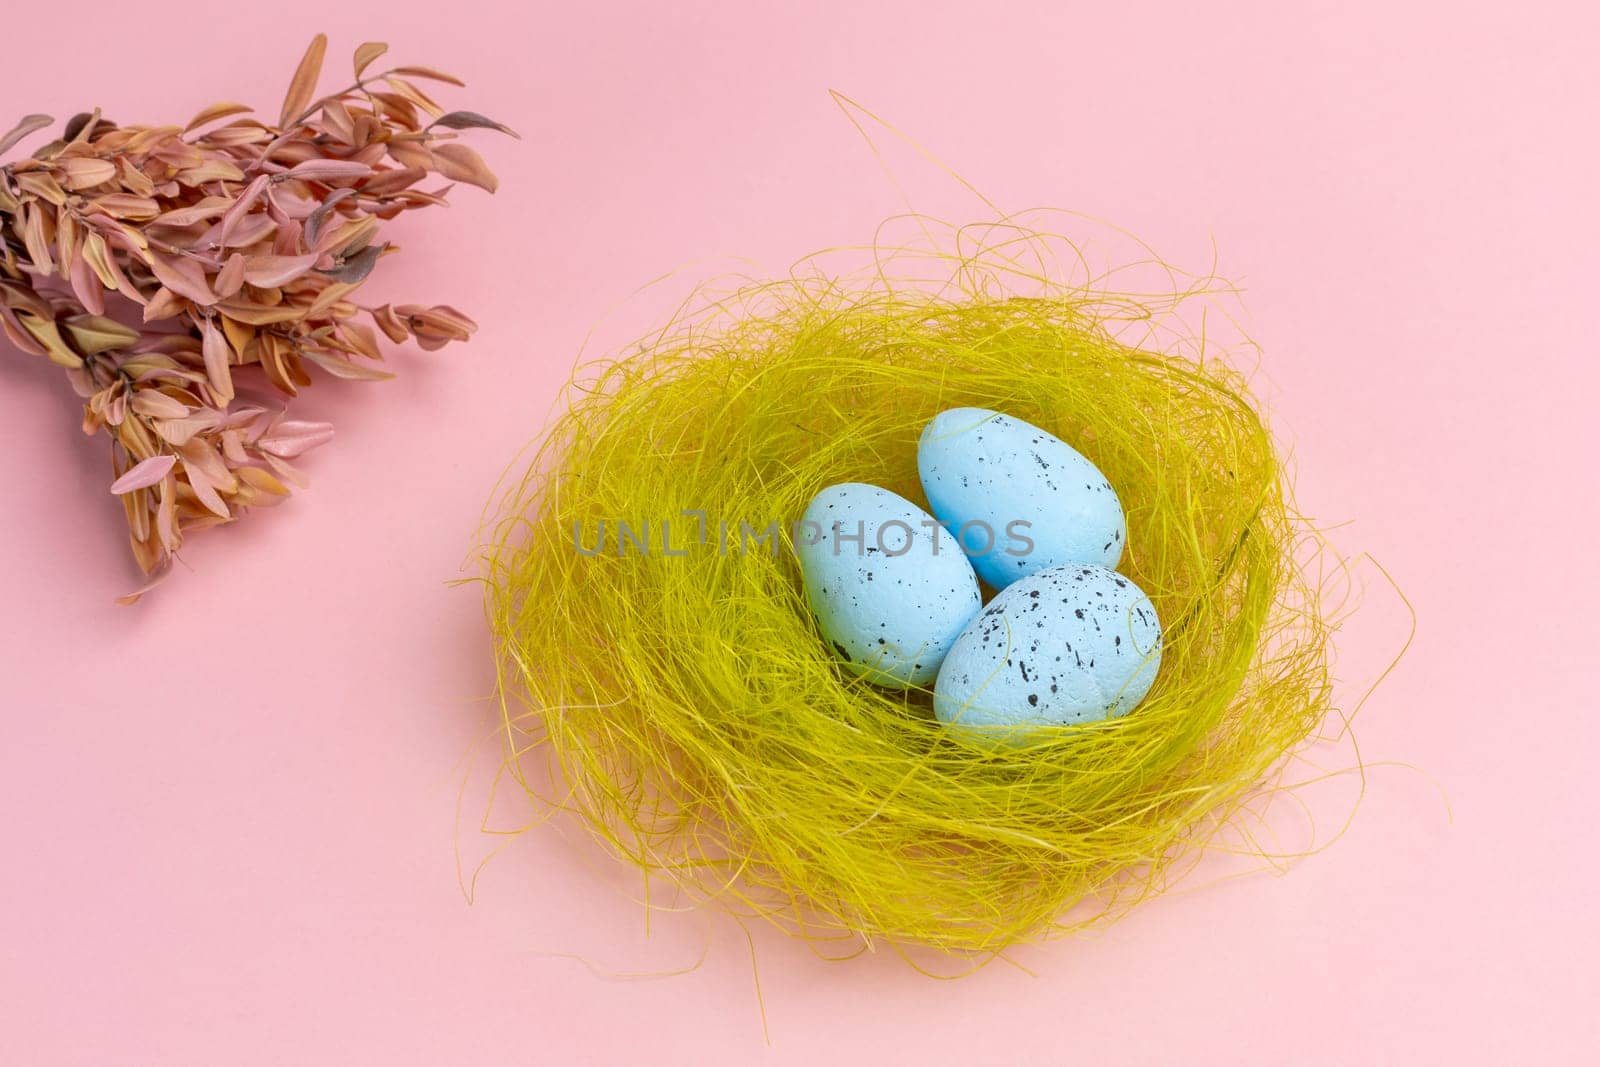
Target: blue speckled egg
(1067, 645)
(1020, 499)
(889, 589)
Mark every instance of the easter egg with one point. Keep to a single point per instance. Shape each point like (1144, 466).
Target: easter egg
(1018, 499)
(1070, 644)
(890, 590)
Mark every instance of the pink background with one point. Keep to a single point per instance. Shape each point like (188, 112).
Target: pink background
(230, 829)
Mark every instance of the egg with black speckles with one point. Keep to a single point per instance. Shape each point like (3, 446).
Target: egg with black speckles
(1070, 644)
(890, 590)
(1019, 499)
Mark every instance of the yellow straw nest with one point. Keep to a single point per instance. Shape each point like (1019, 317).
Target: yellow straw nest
(672, 693)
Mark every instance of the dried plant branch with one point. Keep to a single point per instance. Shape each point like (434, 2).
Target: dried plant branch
(163, 267)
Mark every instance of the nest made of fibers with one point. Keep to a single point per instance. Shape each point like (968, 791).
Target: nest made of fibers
(686, 711)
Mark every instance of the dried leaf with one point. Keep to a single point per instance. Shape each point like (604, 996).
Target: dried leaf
(233, 448)
(238, 334)
(387, 182)
(16, 296)
(461, 164)
(286, 470)
(260, 480)
(205, 491)
(269, 271)
(166, 513)
(28, 125)
(200, 455)
(290, 438)
(85, 286)
(217, 355)
(339, 123)
(351, 235)
(358, 266)
(249, 230)
(238, 134)
(230, 279)
(273, 355)
(43, 185)
(471, 120)
(158, 574)
(328, 170)
(143, 474)
(67, 239)
(366, 54)
(94, 334)
(171, 149)
(247, 200)
(154, 139)
(410, 154)
(390, 324)
(429, 72)
(303, 86)
(22, 339)
(340, 367)
(392, 105)
(215, 112)
(360, 338)
(256, 315)
(212, 170)
(179, 432)
(330, 299)
(437, 326)
(319, 216)
(136, 509)
(157, 405)
(126, 206)
(81, 127)
(134, 435)
(181, 218)
(86, 172)
(183, 276)
(165, 304)
(135, 180)
(98, 258)
(35, 237)
(415, 95)
(48, 334)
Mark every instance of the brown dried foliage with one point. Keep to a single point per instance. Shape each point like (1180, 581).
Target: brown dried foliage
(169, 270)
